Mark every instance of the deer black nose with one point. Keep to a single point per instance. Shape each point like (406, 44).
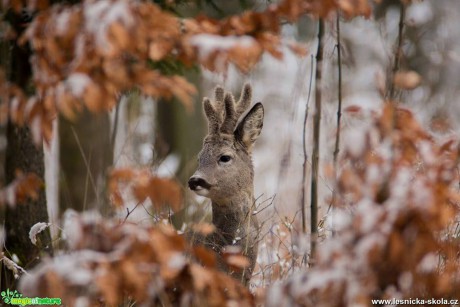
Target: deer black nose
(194, 182)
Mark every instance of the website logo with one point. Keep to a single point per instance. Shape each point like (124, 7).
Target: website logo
(15, 298)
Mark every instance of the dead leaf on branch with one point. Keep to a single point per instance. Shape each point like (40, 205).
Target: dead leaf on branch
(23, 187)
(146, 264)
(399, 200)
(204, 228)
(234, 258)
(205, 256)
(353, 8)
(123, 46)
(161, 191)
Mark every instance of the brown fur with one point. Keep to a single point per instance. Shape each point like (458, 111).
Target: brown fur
(229, 184)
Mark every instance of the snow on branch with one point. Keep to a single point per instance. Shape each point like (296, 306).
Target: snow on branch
(85, 55)
(397, 198)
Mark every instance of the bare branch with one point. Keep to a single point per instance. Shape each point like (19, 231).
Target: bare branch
(339, 108)
(398, 52)
(305, 155)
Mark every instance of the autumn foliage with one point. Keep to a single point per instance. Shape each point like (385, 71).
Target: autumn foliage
(143, 185)
(87, 55)
(23, 187)
(112, 263)
(402, 190)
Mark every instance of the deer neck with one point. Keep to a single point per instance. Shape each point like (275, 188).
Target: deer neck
(233, 218)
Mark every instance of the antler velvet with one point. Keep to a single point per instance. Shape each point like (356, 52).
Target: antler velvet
(224, 113)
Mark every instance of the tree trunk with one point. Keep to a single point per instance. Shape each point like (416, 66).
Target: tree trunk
(23, 155)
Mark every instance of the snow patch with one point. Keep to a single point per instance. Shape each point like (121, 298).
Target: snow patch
(208, 43)
(77, 83)
(355, 141)
(419, 13)
(429, 263)
(62, 21)
(99, 15)
(72, 231)
(177, 261)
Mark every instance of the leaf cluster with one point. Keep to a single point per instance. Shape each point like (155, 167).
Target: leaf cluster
(87, 54)
(401, 188)
(109, 263)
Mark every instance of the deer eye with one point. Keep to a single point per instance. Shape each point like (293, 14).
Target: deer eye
(225, 158)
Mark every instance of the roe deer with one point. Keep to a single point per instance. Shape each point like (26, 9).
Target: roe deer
(225, 174)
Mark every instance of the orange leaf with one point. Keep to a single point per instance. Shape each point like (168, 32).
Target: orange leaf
(204, 228)
(237, 262)
(205, 256)
(165, 191)
(353, 109)
(407, 80)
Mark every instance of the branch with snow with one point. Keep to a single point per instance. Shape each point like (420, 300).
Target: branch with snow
(12, 266)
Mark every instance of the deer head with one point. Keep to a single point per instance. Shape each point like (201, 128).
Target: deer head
(225, 172)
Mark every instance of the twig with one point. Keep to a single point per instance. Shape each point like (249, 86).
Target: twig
(115, 126)
(305, 156)
(128, 213)
(87, 164)
(316, 143)
(271, 199)
(339, 109)
(398, 52)
(339, 96)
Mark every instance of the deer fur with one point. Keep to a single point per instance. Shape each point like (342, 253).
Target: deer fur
(225, 174)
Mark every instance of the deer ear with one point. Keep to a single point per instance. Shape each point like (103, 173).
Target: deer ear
(249, 128)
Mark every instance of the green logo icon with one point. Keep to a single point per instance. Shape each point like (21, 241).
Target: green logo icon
(8, 295)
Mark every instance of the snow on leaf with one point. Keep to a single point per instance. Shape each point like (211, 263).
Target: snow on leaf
(429, 263)
(13, 266)
(77, 83)
(36, 229)
(25, 186)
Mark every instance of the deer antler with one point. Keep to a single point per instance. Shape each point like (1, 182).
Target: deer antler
(214, 113)
(234, 110)
(224, 113)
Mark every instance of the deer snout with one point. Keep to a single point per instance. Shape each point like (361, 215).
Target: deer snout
(198, 183)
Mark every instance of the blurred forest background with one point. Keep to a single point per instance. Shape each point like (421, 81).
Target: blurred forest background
(356, 171)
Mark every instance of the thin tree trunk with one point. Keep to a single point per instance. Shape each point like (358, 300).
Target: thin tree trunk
(316, 144)
(305, 156)
(339, 117)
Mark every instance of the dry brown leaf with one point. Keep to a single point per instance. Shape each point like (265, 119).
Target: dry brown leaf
(23, 187)
(120, 35)
(407, 80)
(94, 98)
(159, 49)
(353, 8)
(205, 256)
(353, 109)
(108, 283)
(165, 192)
(204, 228)
(236, 262)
